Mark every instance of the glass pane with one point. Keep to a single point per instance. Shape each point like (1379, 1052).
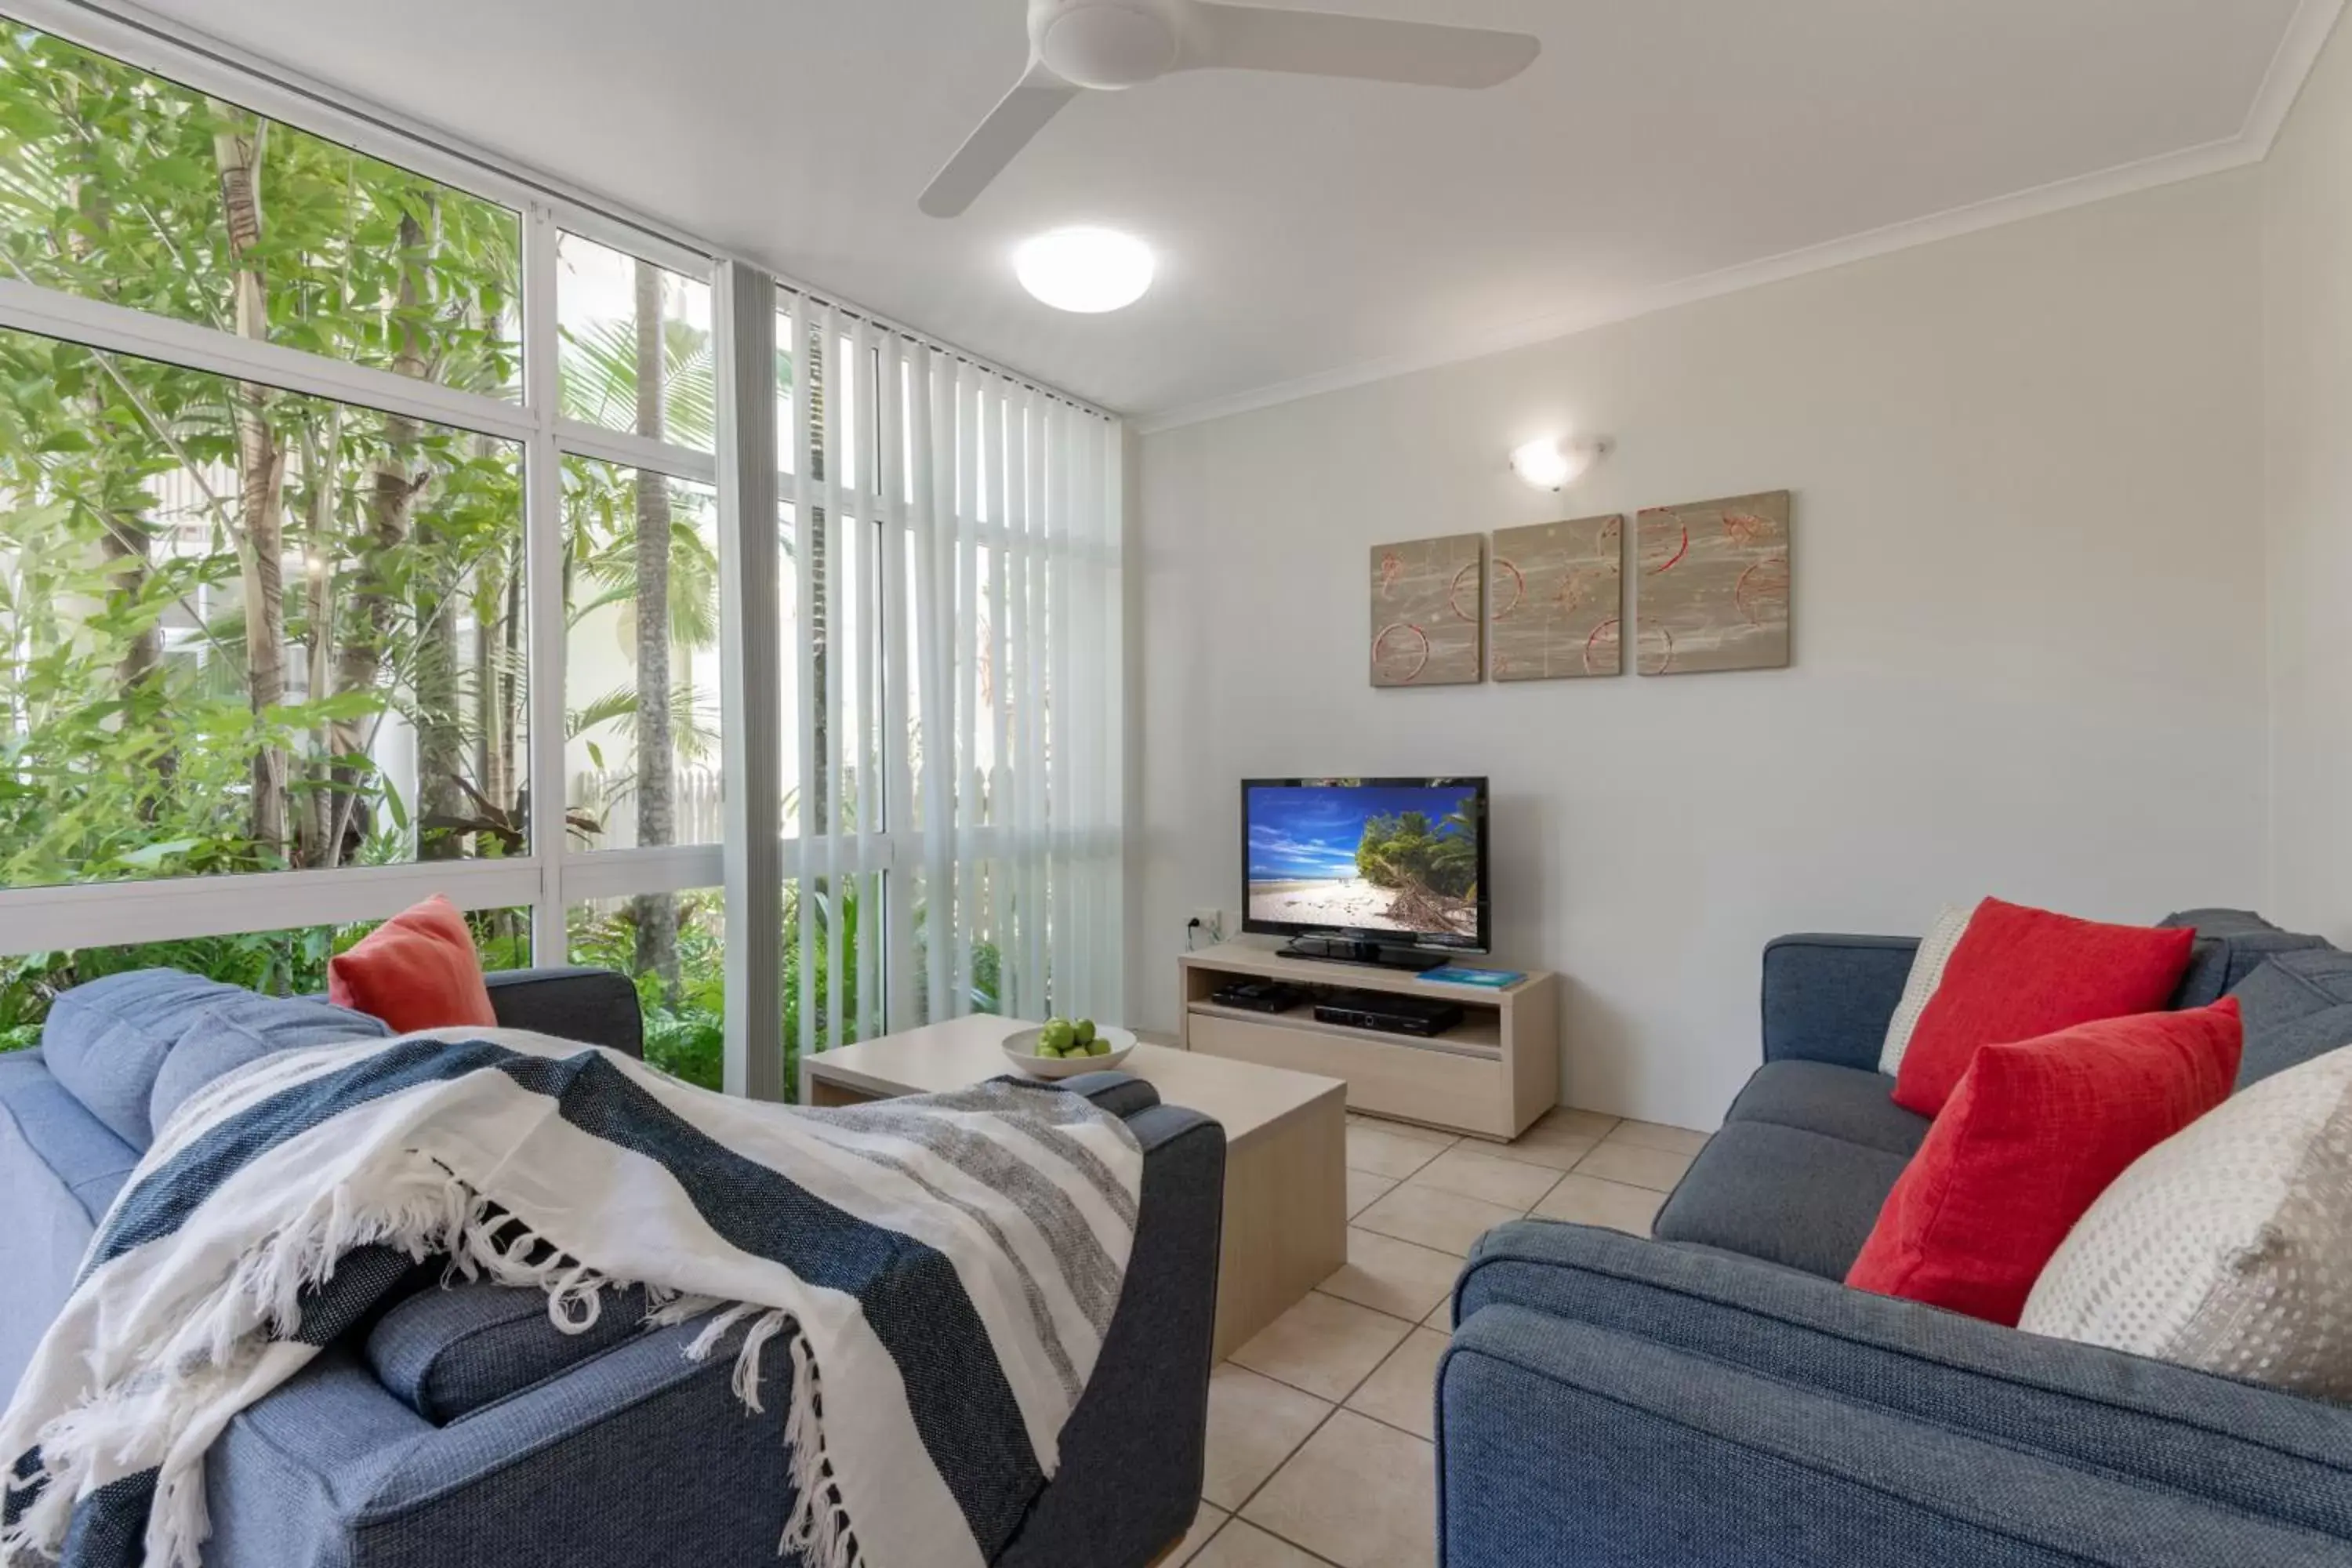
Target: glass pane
(829, 978)
(675, 946)
(836, 643)
(277, 963)
(641, 658)
(122, 186)
(635, 351)
(243, 634)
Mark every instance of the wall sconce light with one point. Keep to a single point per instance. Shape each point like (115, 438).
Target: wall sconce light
(1553, 464)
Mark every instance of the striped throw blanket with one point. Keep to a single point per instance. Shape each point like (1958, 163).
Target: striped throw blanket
(945, 1265)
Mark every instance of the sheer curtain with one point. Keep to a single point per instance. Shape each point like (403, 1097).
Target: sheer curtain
(955, 773)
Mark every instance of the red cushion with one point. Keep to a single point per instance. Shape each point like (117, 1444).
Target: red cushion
(416, 970)
(2019, 974)
(2035, 1132)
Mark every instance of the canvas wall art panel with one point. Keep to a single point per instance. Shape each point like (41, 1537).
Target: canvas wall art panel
(1555, 600)
(1428, 611)
(1712, 586)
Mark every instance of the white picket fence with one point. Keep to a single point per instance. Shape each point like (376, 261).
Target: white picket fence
(611, 796)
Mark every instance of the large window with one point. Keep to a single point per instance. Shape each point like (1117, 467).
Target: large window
(369, 529)
(118, 185)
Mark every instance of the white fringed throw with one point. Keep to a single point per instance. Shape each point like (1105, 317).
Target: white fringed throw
(961, 1251)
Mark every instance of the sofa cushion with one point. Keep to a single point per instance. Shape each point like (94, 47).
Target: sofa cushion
(2231, 945)
(1846, 1104)
(2227, 1247)
(1783, 1194)
(2297, 1006)
(446, 1353)
(2035, 1132)
(106, 1041)
(80, 1152)
(416, 970)
(2019, 974)
(243, 1027)
(110, 1042)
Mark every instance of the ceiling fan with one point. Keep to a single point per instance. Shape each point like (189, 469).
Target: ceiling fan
(1077, 46)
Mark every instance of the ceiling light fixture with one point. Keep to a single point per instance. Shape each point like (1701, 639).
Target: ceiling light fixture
(1089, 271)
(1553, 464)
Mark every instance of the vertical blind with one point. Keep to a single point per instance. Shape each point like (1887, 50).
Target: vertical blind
(954, 782)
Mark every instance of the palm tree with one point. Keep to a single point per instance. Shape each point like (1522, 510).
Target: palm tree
(659, 374)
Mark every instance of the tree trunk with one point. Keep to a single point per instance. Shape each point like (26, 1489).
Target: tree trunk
(239, 143)
(391, 495)
(656, 952)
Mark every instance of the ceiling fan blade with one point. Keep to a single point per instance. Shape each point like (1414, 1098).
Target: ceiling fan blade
(1319, 43)
(1035, 99)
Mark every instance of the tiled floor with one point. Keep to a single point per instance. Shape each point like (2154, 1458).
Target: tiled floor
(1319, 1428)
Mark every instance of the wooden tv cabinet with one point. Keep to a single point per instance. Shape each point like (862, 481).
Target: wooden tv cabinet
(1491, 1076)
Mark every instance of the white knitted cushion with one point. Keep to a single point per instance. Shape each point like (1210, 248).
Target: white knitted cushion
(2227, 1247)
(1927, 974)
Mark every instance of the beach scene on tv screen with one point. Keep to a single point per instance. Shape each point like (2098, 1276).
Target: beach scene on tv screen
(1354, 858)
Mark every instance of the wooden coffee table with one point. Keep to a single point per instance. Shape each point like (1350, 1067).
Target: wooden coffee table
(1285, 1227)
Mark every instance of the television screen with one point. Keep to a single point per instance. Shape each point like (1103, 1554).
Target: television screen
(1387, 860)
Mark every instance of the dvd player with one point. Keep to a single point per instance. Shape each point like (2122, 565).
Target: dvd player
(1388, 1013)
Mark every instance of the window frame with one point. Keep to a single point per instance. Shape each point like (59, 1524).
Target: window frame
(749, 475)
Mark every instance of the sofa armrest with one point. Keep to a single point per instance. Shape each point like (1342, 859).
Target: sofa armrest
(1560, 1442)
(594, 1006)
(2167, 1430)
(1829, 998)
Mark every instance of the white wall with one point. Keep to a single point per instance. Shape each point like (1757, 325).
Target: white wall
(2029, 595)
(2308, 257)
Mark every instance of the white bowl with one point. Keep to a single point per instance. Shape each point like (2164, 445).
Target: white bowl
(1021, 1050)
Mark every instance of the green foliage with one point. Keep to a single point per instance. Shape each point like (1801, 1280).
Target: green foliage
(684, 1033)
(137, 737)
(1409, 853)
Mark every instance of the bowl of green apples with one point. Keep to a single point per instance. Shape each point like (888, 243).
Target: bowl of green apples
(1063, 1047)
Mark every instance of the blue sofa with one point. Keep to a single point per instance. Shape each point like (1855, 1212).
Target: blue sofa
(456, 1425)
(1715, 1397)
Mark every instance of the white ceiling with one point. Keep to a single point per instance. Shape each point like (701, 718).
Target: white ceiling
(1309, 230)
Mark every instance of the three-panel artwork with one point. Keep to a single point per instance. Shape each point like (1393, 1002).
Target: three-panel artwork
(1711, 592)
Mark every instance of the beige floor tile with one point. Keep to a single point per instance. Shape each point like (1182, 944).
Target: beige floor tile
(1557, 1141)
(1635, 1165)
(1581, 1124)
(1413, 1131)
(1324, 1346)
(1446, 1221)
(1440, 1316)
(1364, 1188)
(1386, 1153)
(1205, 1524)
(1359, 1494)
(1240, 1545)
(1651, 1135)
(1474, 1174)
(1586, 1200)
(1402, 1392)
(1254, 1424)
(1391, 1275)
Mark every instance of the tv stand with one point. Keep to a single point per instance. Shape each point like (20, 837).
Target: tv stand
(1339, 950)
(1491, 1075)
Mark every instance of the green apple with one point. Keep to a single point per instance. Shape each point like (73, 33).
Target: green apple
(1098, 1047)
(1057, 1033)
(1085, 1031)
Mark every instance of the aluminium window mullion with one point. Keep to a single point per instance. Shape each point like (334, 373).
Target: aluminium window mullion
(28, 307)
(842, 382)
(627, 450)
(543, 587)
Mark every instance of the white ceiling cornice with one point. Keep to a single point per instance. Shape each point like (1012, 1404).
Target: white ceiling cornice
(2298, 52)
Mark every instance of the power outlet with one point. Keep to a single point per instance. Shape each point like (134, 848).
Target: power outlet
(1209, 927)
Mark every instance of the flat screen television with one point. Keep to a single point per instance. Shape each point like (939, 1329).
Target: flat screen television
(1366, 871)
